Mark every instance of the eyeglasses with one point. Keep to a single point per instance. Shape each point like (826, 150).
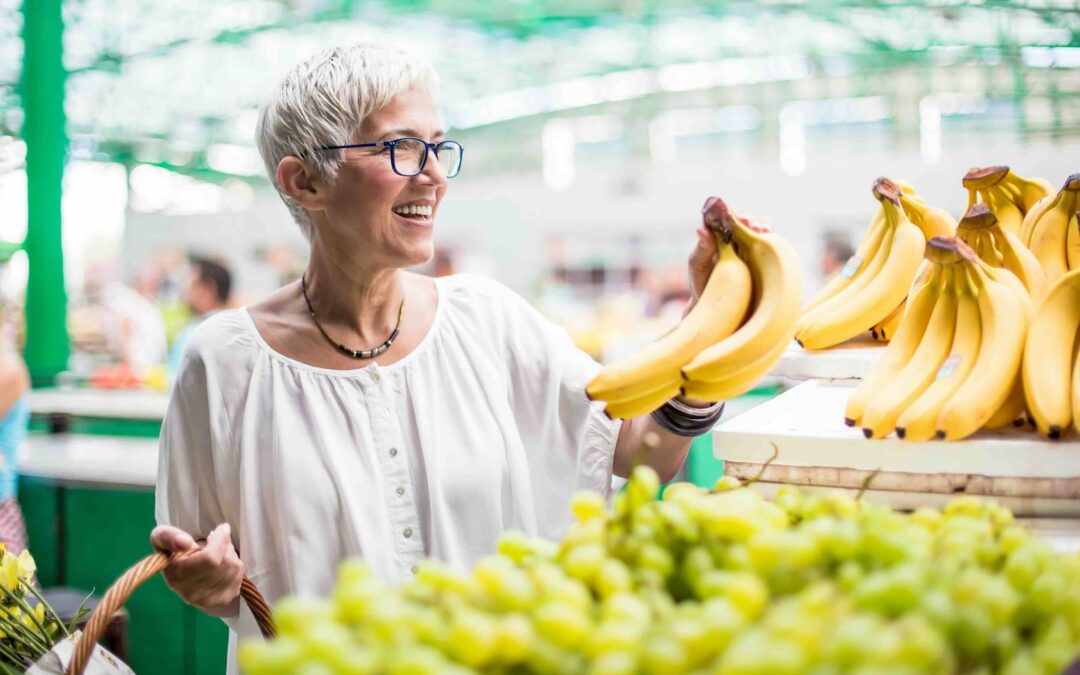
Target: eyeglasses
(409, 155)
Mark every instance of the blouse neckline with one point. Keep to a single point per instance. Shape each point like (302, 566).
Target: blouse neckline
(354, 372)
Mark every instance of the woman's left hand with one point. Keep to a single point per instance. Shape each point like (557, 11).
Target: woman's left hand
(702, 259)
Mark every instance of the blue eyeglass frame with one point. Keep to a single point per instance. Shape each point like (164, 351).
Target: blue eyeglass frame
(428, 148)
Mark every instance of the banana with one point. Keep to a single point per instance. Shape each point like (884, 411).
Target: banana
(1033, 216)
(1050, 232)
(1048, 357)
(644, 404)
(1011, 410)
(903, 344)
(1075, 391)
(918, 421)
(1072, 243)
(856, 264)
(1032, 190)
(845, 316)
(880, 416)
(740, 380)
(777, 276)
(933, 221)
(1004, 328)
(1008, 213)
(998, 247)
(886, 328)
(719, 311)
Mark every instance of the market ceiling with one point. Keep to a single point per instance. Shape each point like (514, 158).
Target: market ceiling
(148, 79)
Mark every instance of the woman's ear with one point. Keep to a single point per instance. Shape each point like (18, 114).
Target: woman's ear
(300, 183)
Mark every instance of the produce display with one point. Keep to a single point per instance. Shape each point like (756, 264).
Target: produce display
(873, 286)
(730, 339)
(721, 582)
(1051, 378)
(953, 366)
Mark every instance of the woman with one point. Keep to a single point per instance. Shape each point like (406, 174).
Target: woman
(14, 418)
(299, 434)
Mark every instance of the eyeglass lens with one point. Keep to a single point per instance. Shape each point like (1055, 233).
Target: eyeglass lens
(409, 152)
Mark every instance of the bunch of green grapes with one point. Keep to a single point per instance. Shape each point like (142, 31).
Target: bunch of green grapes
(723, 582)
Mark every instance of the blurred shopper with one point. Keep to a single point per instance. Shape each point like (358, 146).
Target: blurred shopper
(206, 292)
(133, 328)
(366, 410)
(835, 254)
(14, 418)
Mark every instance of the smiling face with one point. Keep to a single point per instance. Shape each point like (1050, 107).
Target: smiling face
(373, 213)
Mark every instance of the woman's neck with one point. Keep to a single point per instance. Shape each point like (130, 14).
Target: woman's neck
(349, 296)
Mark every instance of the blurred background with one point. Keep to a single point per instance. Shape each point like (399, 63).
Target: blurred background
(133, 200)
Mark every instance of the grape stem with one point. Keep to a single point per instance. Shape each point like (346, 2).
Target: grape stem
(764, 467)
(866, 483)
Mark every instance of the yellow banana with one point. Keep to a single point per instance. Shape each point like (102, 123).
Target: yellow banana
(1012, 409)
(857, 263)
(1048, 356)
(1008, 213)
(842, 318)
(719, 311)
(1072, 243)
(886, 328)
(1075, 391)
(644, 404)
(933, 221)
(1032, 190)
(903, 344)
(777, 277)
(1033, 215)
(879, 418)
(918, 421)
(739, 381)
(979, 229)
(1004, 328)
(1049, 234)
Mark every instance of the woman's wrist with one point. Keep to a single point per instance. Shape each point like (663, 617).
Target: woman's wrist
(687, 420)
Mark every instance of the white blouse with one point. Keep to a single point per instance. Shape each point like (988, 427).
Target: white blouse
(484, 427)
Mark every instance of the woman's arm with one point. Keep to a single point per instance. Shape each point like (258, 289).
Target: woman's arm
(14, 380)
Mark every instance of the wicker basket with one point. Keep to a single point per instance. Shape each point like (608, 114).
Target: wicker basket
(119, 593)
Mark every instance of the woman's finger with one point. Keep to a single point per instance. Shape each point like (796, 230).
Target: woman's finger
(168, 539)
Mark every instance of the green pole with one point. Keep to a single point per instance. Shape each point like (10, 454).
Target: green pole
(44, 130)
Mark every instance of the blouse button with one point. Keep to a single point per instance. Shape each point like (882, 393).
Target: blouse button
(400, 491)
(385, 413)
(393, 452)
(374, 377)
(407, 532)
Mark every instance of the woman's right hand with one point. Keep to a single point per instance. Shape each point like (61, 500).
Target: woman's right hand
(209, 579)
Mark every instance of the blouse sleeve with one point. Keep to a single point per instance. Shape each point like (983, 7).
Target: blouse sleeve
(187, 494)
(569, 441)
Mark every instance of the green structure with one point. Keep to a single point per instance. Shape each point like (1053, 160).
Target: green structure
(42, 89)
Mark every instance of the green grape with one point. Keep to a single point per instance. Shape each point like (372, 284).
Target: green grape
(626, 607)
(971, 631)
(588, 505)
(416, 660)
(295, 615)
(270, 658)
(663, 655)
(615, 635)
(313, 668)
(615, 663)
(678, 521)
(325, 642)
(1012, 537)
(655, 557)
(510, 587)
(923, 645)
(1022, 663)
(515, 638)
(1045, 593)
(563, 624)
(1055, 647)
(789, 498)
(473, 638)
(584, 562)
(695, 638)
(725, 483)
(354, 570)
(514, 545)
(966, 506)
(853, 640)
(722, 622)
(891, 592)
(613, 578)
(584, 532)
(988, 591)
(928, 519)
(696, 562)
(745, 591)
(756, 653)
(643, 487)
(849, 574)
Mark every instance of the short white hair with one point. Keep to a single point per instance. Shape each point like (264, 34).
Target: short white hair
(324, 101)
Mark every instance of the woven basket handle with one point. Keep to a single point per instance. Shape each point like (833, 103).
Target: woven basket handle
(120, 591)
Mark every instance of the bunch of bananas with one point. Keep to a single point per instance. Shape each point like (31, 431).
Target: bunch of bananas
(870, 292)
(732, 336)
(1051, 378)
(953, 367)
(1013, 199)
(998, 247)
(1052, 233)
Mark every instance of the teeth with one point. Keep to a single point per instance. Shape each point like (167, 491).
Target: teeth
(413, 210)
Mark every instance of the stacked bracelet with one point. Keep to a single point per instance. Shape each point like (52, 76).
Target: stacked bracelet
(684, 420)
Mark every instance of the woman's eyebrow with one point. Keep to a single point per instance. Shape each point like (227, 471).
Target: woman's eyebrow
(398, 133)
